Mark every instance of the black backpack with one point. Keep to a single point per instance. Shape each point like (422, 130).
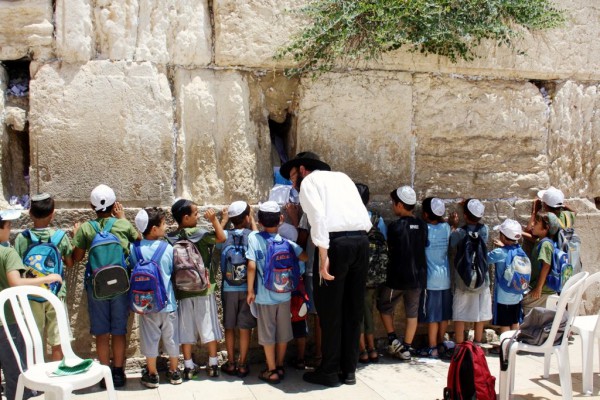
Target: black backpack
(471, 258)
(378, 254)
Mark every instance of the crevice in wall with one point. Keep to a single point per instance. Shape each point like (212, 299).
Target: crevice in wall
(280, 139)
(16, 160)
(213, 38)
(597, 202)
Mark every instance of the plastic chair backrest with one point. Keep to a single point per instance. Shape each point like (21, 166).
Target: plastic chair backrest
(593, 280)
(17, 297)
(571, 297)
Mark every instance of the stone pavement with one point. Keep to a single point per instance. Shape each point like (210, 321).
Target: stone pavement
(389, 379)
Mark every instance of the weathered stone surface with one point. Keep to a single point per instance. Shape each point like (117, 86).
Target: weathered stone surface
(479, 138)
(574, 139)
(74, 31)
(26, 28)
(15, 117)
(164, 32)
(3, 132)
(249, 33)
(103, 122)
(279, 93)
(361, 124)
(222, 153)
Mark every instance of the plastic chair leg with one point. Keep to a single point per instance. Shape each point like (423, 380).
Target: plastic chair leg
(564, 371)
(20, 388)
(504, 377)
(547, 359)
(110, 388)
(587, 355)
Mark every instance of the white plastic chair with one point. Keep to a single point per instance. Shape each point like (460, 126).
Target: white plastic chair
(588, 327)
(38, 376)
(571, 296)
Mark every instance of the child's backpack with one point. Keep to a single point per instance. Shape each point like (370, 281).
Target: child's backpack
(282, 270)
(560, 268)
(189, 272)
(570, 242)
(44, 258)
(233, 258)
(469, 376)
(299, 304)
(107, 267)
(378, 254)
(517, 273)
(471, 259)
(147, 292)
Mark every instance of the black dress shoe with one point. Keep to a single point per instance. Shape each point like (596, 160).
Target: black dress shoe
(348, 378)
(320, 378)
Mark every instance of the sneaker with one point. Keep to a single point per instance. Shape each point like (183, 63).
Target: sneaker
(404, 352)
(174, 377)
(119, 378)
(150, 380)
(394, 347)
(212, 371)
(190, 373)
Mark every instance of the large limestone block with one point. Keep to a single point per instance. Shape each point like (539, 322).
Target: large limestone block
(250, 32)
(574, 139)
(3, 132)
(74, 31)
(222, 152)
(103, 122)
(161, 31)
(361, 124)
(26, 27)
(479, 138)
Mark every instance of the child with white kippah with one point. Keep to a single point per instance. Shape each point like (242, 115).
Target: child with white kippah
(470, 304)
(163, 324)
(435, 307)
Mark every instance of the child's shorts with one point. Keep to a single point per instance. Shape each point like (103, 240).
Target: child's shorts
(388, 298)
(507, 314)
(155, 326)
(472, 306)
(198, 319)
(300, 329)
(45, 318)
(236, 311)
(435, 306)
(274, 323)
(108, 316)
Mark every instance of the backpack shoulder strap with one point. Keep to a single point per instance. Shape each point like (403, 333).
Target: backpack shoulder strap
(57, 237)
(162, 246)
(31, 236)
(374, 219)
(95, 225)
(109, 224)
(137, 251)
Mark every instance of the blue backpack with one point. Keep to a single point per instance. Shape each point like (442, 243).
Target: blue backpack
(233, 258)
(44, 258)
(560, 269)
(517, 273)
(147, 292)
(471, 259)
(106, 266)
(282, 270)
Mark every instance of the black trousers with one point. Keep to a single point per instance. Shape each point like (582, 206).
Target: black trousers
(340, 303)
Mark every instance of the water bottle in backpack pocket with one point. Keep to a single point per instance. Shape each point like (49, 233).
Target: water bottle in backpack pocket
(234, 264)
(282, 269)
(107, 268)
(471, 259)
(44, 258)
(147, 293)
(190, 275)
(517, 273)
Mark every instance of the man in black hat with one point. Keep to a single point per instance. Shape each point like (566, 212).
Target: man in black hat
(339, 225)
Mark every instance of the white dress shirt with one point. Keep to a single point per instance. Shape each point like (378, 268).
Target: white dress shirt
(332, 203)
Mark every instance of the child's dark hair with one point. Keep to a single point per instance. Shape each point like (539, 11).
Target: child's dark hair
(239, 219)
(468, 213)
(396, 200)
(107, 211)
(363, 190)
(3, 223)
(180, 209)
(155, 217)
(42, 208)
(269, 219)
(542, 216)
(427, 210)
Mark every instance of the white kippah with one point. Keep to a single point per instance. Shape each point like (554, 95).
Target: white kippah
(141, 220)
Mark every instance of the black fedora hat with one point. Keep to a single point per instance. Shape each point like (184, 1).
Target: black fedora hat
(310, 161)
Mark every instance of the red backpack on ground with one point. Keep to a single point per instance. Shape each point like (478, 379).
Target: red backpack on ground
(469, 376)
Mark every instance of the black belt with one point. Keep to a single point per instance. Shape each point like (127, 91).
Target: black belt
(333, 235)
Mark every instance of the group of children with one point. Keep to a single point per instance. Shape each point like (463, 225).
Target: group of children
(261, 272)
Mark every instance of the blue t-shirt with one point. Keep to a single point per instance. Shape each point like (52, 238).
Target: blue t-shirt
(436, 252)
(226, 286)
(147, 248)
(257, 252)
(498, 257)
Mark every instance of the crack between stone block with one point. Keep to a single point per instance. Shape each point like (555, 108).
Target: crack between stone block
(213, 36)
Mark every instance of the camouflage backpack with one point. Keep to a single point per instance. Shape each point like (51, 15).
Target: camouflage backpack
(378, 254)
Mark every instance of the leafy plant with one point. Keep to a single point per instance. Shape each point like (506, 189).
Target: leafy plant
(343, 32)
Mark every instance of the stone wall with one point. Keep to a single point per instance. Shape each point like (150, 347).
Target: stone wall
(162, 99)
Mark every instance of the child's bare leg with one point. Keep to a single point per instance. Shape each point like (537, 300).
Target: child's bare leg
(504, 329)
(514, 327)
(479, 331)
(212, 348)
(370, 341)
(432, 333)
(173, 363)
(230, 344)
(103, 348)
(301, 349)
(388, 323)
(244, 344)
(411, 330)
(281, 348)
(361, 343)
(270, 356)
(459, 331)
(151, 365)
(118, 348)
(57, 353)
(187, 351)
(442, 331)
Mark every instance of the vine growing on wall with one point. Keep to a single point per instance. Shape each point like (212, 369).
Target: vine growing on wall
(343, 32)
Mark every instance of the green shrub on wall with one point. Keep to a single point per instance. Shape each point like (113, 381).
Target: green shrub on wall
(344, 32)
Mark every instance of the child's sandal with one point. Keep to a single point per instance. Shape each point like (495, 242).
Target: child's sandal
(373, 356)
(228, 368)
(269, 376)
(280, 371)
(243, 370)
(363, 357)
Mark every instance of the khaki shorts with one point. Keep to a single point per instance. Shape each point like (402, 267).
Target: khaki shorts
(274, 323)
(388, 298)
(45, 318)
(236, 311)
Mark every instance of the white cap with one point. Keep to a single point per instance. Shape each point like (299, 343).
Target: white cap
(552, 197)
(476, 208)
(510, 228)
(9, 215)
(438, 207)
(269, 206)
(407, 195)
(236, 208)
(141, 220)
(102, 197)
